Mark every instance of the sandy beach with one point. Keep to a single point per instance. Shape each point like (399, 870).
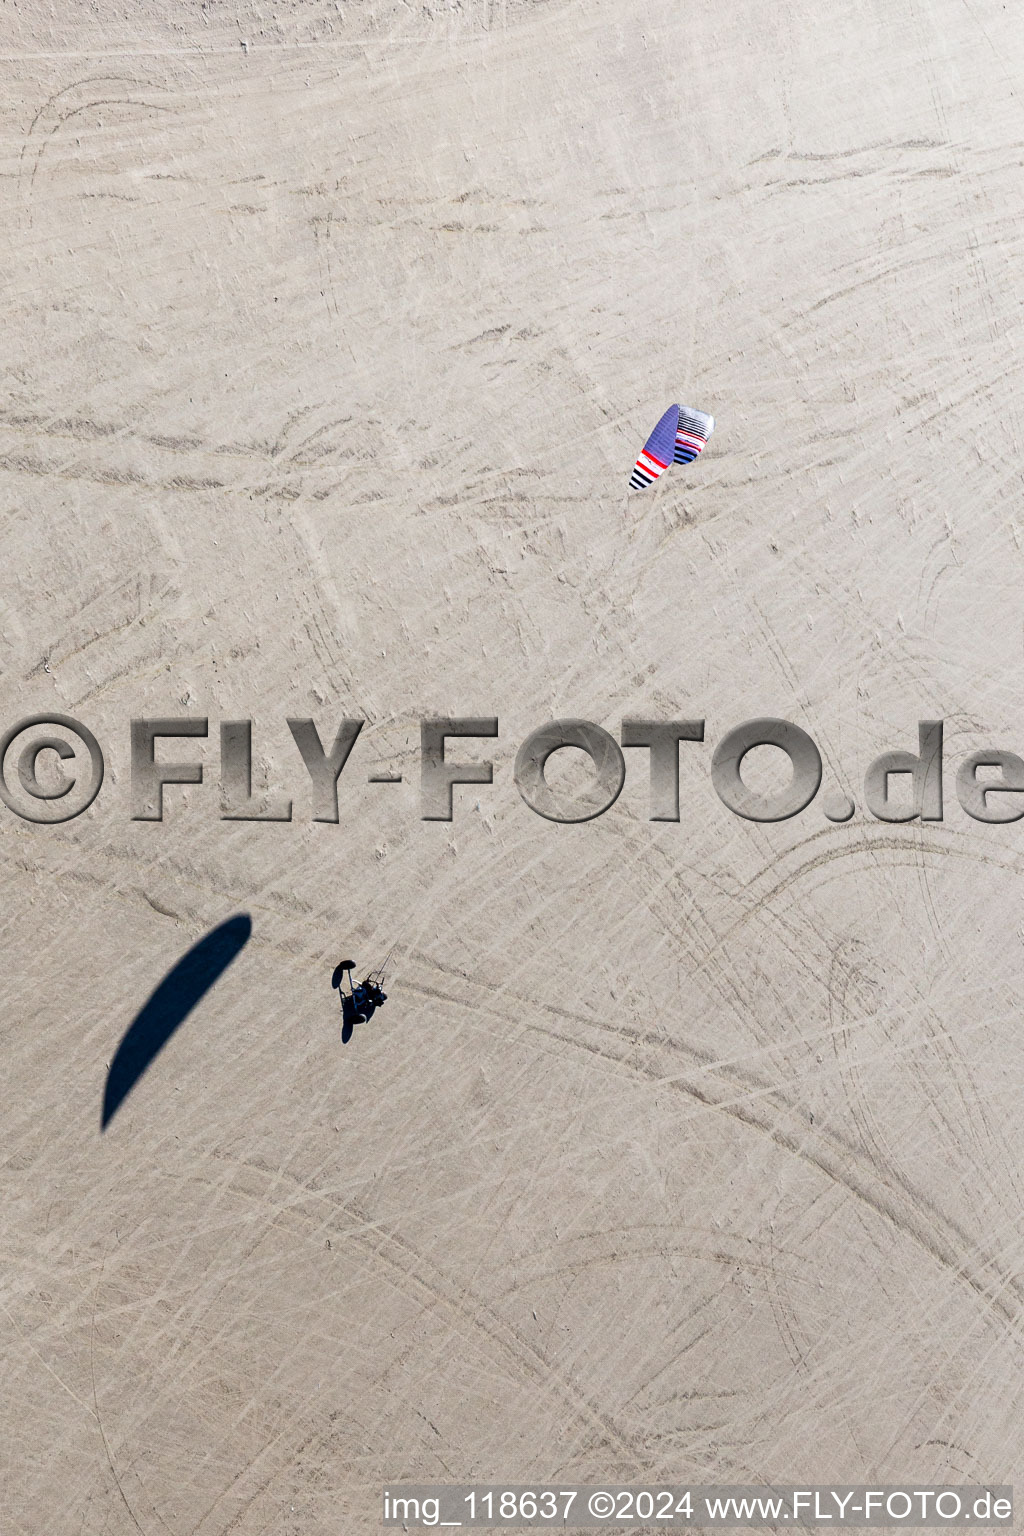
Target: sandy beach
(684, 1150)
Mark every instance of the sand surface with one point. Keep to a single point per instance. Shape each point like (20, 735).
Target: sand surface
(680, 1151)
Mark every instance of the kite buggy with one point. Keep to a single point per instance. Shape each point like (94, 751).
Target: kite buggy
(362, 999)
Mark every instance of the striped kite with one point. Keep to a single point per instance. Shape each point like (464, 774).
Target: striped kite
(678, 438)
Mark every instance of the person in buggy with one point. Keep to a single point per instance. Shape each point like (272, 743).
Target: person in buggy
(361, 1000)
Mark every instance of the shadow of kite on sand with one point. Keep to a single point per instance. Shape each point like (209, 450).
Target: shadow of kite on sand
(170, 1005)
